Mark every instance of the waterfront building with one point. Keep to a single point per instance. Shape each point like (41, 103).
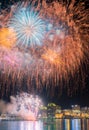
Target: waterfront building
(43, 112)
(85, 112)
(76, 112)
(58, 112)
(66, 113)
(51, 108)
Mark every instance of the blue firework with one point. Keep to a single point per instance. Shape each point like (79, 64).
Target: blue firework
(29, 27)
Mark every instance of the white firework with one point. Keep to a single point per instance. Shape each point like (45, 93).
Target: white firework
(29, 27)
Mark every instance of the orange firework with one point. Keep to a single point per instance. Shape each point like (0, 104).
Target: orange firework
(52, 56)
(7, 37)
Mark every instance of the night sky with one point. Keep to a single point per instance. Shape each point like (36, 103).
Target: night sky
(65, 95)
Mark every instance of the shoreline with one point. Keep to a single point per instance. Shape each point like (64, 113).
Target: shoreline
(50, 119)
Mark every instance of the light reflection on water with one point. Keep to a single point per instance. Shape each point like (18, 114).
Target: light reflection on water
(58, 124)
(76, 124)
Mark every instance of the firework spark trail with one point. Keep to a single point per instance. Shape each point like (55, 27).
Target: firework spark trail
(57, 30)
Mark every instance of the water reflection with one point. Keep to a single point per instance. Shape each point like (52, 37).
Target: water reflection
(75, 124)
(31, 125)
(58, 124)
(21, 125)
(85, 124)
(66, 125)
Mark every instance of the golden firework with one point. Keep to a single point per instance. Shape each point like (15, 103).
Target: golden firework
(52, 57)
(7, 37)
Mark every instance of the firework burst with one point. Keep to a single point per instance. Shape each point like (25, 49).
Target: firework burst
(29, 27)
(23, 105)
(7, 37)
(54, 42)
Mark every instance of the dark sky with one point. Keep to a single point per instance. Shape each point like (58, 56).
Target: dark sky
(80, 97)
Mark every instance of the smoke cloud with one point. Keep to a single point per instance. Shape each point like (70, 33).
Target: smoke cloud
(23, 105)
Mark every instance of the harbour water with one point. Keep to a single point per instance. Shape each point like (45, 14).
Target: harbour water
(58, 124)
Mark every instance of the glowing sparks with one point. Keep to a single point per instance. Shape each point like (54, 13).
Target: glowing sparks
(48, 43)
(24, 105)
(29, 27)
(52, 57)
(7, 37)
